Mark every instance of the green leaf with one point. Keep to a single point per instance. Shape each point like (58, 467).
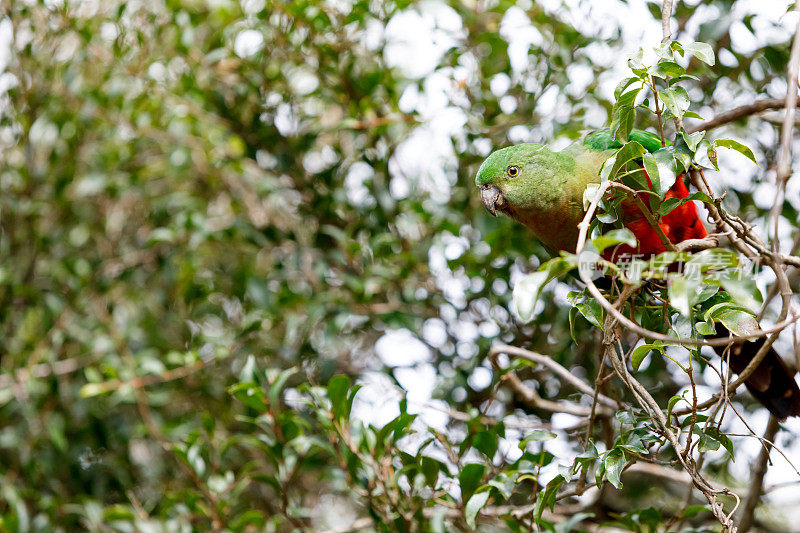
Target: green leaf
(547, 497)
(702, 51)
(714, 433)
(630, 151)
(537, 435)
(717, 310)
(622, 85)
(531, 462)
(93, 389)
(744, 291)
(650, 517)
(694, 510)
(573, 314)
(526, 294)
(474, 505)
(713, 259)
(276, 385)
(469, 478)
(671, 405)
(504, 484)
(682, 155)
(574, 519)
(624, 115)
(664, 50)
(627, 99)
(430, 469)
(614, 463)
(248, 372)
(640, 352)
(682, 327)
(705, 291)
(613, 238)
(486, 442)
(625, 416)
(337, 394)
(676, 46)
(707, 444)
(669, 204)
(607, 212)
(739, 147)
(676, 99)
(527, 290)
(706, 155)
(251, 395)
(739, 320)
(591, 191)
(621, 126)
(693, 139)
(705, 328)
(688, 420)
(591, 311)
(664, 162)
(636, 65)
(683, 292)
(667, 68)
(651, 167)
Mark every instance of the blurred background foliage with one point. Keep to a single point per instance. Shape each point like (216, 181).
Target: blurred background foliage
(209, 209)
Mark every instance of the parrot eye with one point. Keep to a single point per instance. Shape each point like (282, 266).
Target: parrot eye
(513, 171)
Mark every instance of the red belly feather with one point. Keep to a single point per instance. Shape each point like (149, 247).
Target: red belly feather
(680, 224)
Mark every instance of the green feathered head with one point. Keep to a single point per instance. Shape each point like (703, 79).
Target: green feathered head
(518, 177)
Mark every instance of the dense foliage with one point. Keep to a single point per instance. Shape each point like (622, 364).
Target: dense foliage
(234, 236)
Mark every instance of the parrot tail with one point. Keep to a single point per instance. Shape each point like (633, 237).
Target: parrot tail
(772, 383)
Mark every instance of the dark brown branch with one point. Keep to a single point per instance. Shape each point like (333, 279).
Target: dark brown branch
(739, 112)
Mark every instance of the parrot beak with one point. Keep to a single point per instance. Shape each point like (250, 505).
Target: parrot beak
(492, 199)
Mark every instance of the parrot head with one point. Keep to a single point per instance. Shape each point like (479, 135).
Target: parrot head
(514, 179)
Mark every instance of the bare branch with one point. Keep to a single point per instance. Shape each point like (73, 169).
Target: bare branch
(660, 471)
(784, 163)
(785, 154)
(666, 18)
(697, 244)
(561, 372)
(739, 112)
(532, 398)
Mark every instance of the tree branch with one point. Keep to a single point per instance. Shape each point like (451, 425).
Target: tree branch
(561, 372)
(784, 163)
(739, 112)
(666, 18)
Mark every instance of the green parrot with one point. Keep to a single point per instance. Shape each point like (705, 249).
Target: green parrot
(543, 190)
